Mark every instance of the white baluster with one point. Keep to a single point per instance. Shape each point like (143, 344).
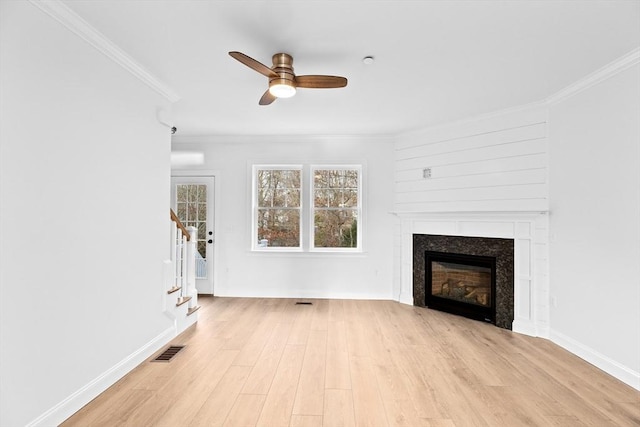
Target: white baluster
(191, 267)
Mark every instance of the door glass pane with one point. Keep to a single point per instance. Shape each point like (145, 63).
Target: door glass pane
(192, 211)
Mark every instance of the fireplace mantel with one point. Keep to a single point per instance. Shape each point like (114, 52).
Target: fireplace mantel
(528, 229)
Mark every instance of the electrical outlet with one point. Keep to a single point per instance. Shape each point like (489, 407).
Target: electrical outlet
(426, 173)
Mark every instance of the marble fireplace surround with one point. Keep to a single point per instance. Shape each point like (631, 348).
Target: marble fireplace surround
(529, 231)
(500, 249)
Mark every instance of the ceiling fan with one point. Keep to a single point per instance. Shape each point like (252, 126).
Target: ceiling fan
(282, 80)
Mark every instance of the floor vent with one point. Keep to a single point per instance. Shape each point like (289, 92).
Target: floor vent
(168, 354)
(304, 303)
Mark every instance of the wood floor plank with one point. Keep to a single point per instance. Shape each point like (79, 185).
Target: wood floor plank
(320, 319)
(310, 393)
(337, 373)
(306, 421)
(217, 406)
(191, 399)
(251, 361)
(278, 406)
(338, 409)
(301, 325)
(245, 410)
(367, 401)
(265, 368)
(250, 352)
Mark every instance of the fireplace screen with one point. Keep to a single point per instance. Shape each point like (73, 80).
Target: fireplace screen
(461, 284)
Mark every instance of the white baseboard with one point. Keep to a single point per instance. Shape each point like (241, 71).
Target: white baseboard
(253, 293)
(406, 298)
(70, 405)
(613, 368)
(530, 328)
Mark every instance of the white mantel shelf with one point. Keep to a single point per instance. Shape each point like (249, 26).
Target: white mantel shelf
(528, 229)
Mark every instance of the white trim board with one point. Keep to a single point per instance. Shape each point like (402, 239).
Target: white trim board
(90, 391)
(67, 17)
(604, 73)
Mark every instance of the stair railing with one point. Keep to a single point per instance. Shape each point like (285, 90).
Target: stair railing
(183, 247)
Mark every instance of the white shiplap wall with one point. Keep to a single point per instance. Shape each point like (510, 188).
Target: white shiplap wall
(497, 163)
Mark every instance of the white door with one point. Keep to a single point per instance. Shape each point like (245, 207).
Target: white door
(193, 202)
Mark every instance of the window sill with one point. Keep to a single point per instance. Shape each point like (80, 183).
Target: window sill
(308, 254)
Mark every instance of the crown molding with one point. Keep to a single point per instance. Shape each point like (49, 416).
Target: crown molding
(608, 71)
(67, 17)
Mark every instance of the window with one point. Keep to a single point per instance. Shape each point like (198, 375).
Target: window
(307, 208)
(336, 207)
(277, 217)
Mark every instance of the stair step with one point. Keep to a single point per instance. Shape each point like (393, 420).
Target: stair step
(182, 300)
(174, 289)
(193, 310)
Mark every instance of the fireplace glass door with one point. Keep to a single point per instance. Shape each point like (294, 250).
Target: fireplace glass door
(461, 284)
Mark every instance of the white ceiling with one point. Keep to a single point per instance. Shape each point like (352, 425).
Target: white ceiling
(435, 61)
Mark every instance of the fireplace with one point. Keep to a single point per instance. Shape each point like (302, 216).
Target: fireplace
(461, 284)
(461, 255)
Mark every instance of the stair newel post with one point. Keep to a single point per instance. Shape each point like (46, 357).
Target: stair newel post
(174, 253)
(191, 266)
(183, 264)
(178, 264)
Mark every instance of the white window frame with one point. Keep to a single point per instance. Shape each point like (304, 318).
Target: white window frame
(312, 208)
(254, 216)
(307, 208)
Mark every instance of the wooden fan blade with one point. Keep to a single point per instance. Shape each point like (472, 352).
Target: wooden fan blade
(320, 82)
(253, 64)
(267, 98)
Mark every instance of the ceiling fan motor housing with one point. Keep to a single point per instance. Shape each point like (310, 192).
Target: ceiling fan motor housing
(283, 66)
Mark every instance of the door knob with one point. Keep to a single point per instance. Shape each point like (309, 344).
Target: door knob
(209, 241)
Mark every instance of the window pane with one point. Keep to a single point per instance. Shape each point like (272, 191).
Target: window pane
(349, 198)
(202, 193)
(202, 211)
(193, 193)
(279, 228)
(202, 230)
(320, 178)
(265, 197)
(336, 208)
(192, 212)
(182, 210)
(278, 200)
(181, 193)
(336, 228)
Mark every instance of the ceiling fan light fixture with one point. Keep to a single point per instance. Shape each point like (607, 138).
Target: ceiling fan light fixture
(282, 89)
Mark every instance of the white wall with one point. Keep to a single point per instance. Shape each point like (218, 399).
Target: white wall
(595, 223)
(240, 272)
(84, 217)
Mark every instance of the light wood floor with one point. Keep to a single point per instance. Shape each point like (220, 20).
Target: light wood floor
(269, 362)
